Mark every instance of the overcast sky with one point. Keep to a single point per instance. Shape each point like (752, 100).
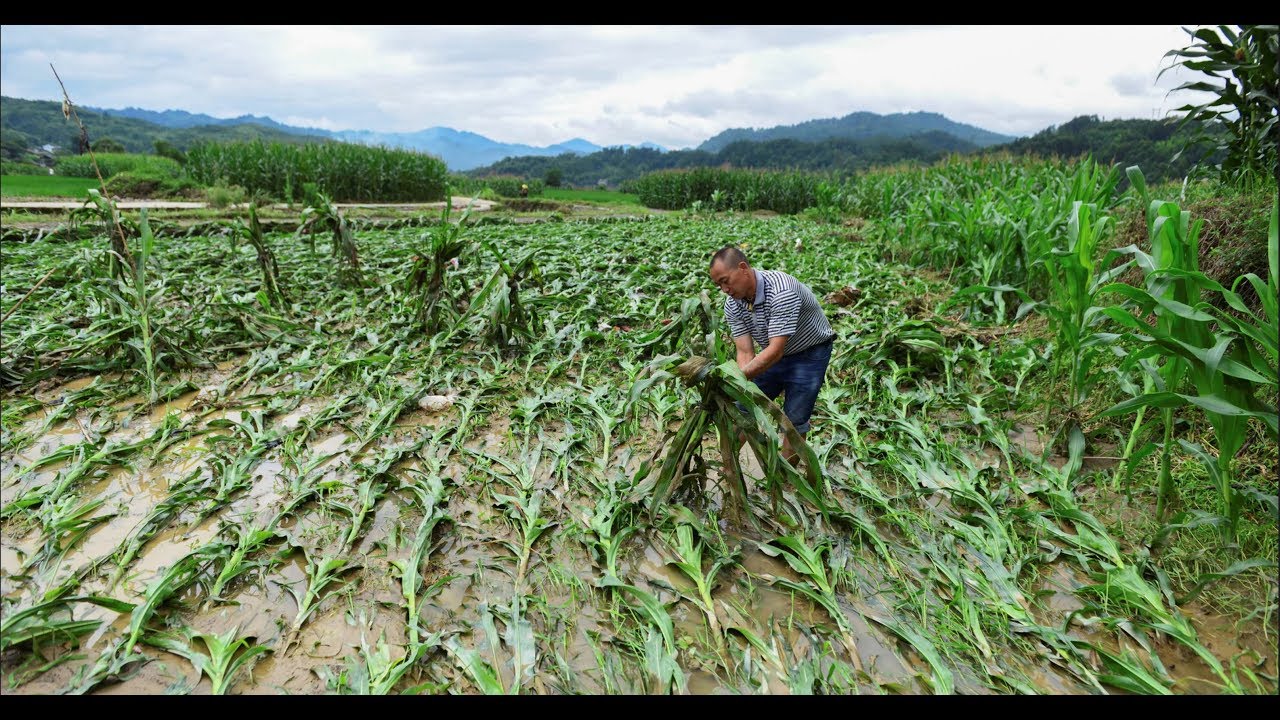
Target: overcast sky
(611, 85)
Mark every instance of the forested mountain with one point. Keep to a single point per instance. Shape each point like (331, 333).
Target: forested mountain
(841, 155)
(43, 123)
(184, 119)
(861, 126)
(1150, 144)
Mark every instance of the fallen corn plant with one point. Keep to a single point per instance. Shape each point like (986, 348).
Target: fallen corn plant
(227, 653)
(764, 425)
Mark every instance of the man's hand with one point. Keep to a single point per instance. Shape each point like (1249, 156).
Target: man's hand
(766, 358)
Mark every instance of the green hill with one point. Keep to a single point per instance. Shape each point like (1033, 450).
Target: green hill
(41, 122)
(860, 126)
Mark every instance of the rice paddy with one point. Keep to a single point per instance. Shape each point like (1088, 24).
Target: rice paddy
(442, 459)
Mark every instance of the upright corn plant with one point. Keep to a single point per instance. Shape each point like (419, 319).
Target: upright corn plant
(442, 246)
(498, 301)
(134, 299)
(325, 215)
(1216, 364)
(1245, 104)
(1074, 284)
(271, 296)
(119, 259)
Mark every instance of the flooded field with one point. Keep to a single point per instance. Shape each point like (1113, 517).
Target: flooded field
(393, 486)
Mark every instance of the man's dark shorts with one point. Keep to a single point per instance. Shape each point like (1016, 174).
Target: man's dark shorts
(801, 376)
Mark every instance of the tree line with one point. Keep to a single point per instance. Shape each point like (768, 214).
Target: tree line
(1157, 146)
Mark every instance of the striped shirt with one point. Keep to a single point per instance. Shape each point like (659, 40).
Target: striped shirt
(782, 306)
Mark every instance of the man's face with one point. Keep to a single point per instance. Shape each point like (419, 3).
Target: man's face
(733, 281)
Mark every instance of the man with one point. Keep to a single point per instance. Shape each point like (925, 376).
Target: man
(777, 312)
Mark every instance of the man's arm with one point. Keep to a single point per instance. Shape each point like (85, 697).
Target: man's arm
(757, 364)
(746, 350)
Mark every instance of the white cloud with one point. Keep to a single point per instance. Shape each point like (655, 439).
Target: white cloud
(675, 85)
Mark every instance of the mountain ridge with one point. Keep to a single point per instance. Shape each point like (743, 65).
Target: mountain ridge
(463, 150)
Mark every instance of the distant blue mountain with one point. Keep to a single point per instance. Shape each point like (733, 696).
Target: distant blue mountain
(184, 119)
(459, 149)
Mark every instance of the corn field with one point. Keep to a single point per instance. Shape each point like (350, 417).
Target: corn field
(344, 172)
(235, 468)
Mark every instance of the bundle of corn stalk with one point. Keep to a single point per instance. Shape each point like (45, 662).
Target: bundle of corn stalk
(761, 423)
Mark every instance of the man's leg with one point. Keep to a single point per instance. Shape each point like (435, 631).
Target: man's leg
(802, 385)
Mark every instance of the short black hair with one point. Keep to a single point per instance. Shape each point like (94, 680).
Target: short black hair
(730, 256)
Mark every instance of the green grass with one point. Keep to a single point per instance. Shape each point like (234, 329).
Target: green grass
(45, 186)
(596, 196)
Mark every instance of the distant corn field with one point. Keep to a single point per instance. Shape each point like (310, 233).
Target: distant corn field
(345, 172)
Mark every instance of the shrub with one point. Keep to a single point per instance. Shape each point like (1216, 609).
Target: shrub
(146, 183)
(114, 163)
(8, 167)
(220, 197)
(509, 185)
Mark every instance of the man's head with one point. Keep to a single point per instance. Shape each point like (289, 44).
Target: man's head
(731, 272)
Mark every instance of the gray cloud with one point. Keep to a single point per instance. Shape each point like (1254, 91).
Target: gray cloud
(676, 85)
(1132, 85)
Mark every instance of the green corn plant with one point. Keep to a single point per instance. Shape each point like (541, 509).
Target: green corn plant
(607, 541)
(660, 644)
(321, 573)
(430, 493)
(1075, 281)
(40, 622)
(135, 299)
(375, 672)
(507, 321)
(65, 520)
(120, 653)
(818, 587)
(519, 640)
(1126, 671)
(721, 386)
(480, 671)
(1183, 335)
(1125, 589)
(119, 259)
(1262, 330)
(324, 215)
(272, 295)
(524, 510)
(606, 419)
(1244, 106)
(368, 493)
(688, 552)
(227, 653)
(86, 459)
(248, 540)
(696, 328)
(442, 246)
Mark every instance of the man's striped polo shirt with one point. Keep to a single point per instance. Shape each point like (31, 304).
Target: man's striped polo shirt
(782, 306)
